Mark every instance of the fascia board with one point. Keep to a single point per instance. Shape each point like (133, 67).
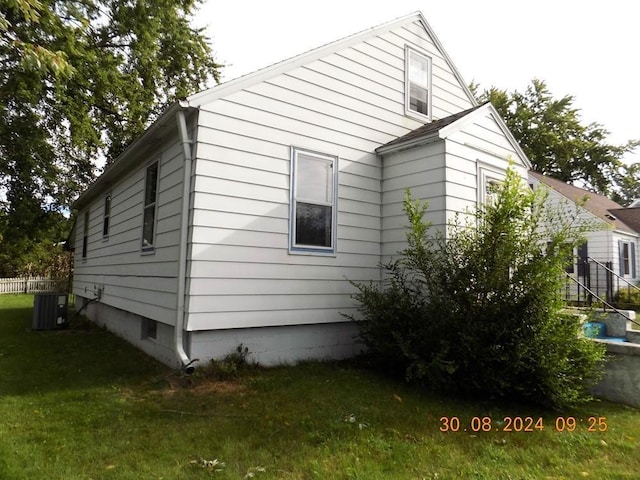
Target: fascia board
(416, 142)
(128, 156)
(488, 108)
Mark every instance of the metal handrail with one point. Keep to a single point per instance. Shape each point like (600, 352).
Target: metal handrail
(604, 302)
(614, 273)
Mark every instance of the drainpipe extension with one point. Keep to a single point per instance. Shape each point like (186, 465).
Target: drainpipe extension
(186, 362)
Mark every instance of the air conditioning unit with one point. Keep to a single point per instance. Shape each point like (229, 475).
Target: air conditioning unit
(50, 311)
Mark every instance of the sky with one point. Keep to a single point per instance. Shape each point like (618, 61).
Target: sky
(590, 50)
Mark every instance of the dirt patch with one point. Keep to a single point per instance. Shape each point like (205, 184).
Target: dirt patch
(203, 386)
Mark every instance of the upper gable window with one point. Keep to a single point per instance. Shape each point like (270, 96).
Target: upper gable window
(418, 83)
(313, 212)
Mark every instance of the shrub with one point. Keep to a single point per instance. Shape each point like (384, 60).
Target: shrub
(480, 312)
(627, 298)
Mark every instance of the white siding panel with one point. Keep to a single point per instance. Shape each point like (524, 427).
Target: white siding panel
(346, 104)
(141, 283)
(250, 319)
(230, 256)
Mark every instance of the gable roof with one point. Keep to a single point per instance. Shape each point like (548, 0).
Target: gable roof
(263, 74)
(166, 121)
(602, 207)
(444, 127)
(426, 130)
(629, 216)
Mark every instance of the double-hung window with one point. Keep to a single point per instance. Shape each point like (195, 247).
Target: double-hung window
(627, 258)
(418, 83)
(85, 234)
(313, 202)
(150, 199)
(106, 217)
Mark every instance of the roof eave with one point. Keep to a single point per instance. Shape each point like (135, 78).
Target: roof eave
(128, 157)
(415, 142)
(458, 124)
(270, 71)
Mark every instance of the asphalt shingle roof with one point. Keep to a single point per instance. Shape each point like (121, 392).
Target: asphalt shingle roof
(430, 128)
(625, 219)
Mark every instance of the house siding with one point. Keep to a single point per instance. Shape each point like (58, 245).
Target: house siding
(447, 173)
(423, 171)
(142, 283)
(345, 104)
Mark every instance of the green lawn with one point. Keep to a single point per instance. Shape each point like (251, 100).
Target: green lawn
(82, 404)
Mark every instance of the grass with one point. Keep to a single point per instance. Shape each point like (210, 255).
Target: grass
(82, 404)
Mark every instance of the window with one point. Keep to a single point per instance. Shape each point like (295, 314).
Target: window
(149, 329)
(85, 234)
(627, 254)
(489, 182)
(418, 83)
(107, 215)
(150, 197)
(491, 188)
(313, 213)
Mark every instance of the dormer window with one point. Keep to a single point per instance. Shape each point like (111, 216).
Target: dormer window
(418, 83)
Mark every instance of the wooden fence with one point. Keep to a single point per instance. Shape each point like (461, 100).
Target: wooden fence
(33, 285)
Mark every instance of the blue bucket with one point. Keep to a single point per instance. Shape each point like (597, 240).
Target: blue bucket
(594, 330)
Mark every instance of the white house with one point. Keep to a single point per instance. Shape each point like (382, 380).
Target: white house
(611, 248)
(241, 213)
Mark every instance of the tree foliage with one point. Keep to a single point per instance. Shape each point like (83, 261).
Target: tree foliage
(479, 312)
(80, 79)
(551, 133)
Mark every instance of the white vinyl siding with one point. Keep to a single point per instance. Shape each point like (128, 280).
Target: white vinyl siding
(313, 196)
(423, 171)
(145, 285)
(343, 105)
(451, 174)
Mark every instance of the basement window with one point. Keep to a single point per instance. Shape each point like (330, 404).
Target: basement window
(149, 329)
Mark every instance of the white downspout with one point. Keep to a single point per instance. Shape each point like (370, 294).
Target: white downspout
(186, 362)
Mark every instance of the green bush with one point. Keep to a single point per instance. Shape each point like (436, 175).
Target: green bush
(478, 313)
(627, 298)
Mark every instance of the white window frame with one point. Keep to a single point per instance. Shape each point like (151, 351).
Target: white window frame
(407, 84)
(487, 176)
(295, 197)
(106, 216)
(149, 247)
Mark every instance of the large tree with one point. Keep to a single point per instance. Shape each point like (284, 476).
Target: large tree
(556, 140)
(79, 80)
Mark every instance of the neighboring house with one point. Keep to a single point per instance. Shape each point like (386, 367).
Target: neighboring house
(614, 245)
(239, 216)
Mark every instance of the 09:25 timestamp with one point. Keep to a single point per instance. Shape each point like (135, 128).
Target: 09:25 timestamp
(522, 424)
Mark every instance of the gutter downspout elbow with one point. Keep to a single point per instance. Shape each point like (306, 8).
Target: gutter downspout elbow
(185, 361)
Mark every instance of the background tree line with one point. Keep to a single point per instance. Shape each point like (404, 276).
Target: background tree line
(559, 144)
(79, 80)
